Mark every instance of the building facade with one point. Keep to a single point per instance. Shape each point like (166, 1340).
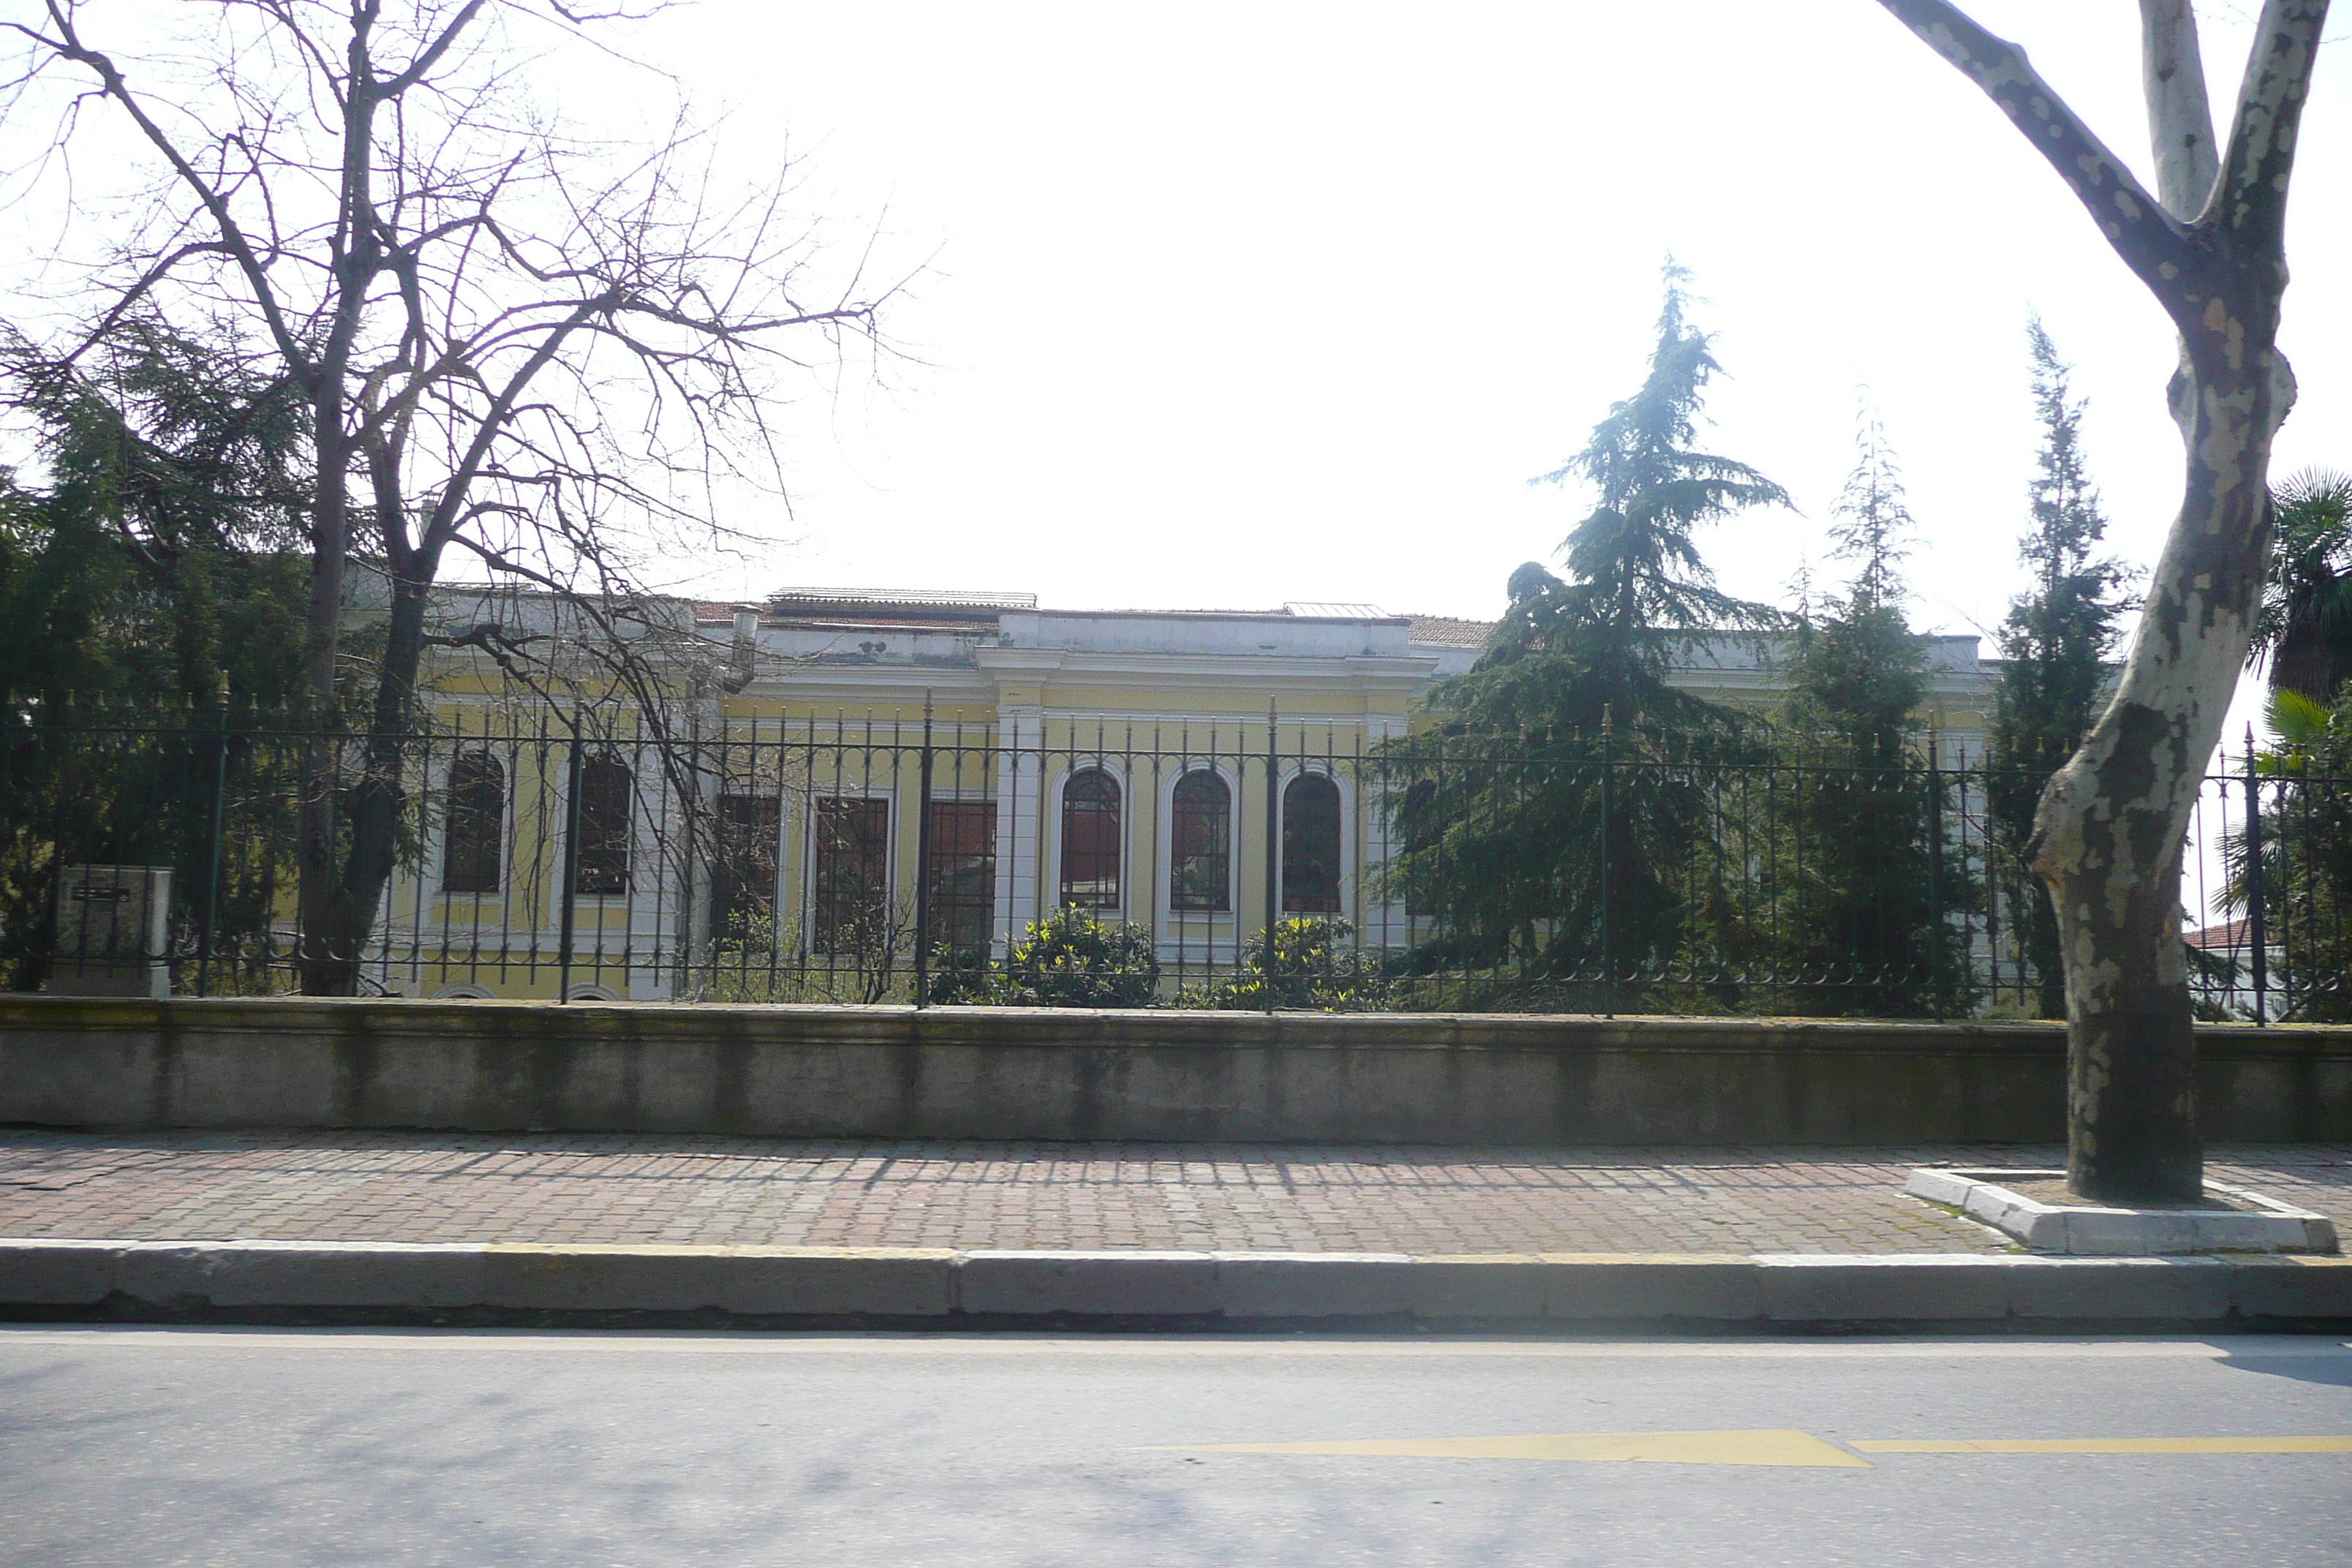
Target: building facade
(828, 784)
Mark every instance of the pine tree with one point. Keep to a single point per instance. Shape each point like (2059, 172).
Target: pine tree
(161, 559)
(1508, 843)
(1860, 674)
(1872, 521)
(2053, 642)
(151, 573)
(1859, 912)
(1636, 585)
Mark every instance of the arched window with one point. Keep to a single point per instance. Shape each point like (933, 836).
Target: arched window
(477, 813)
(1090, 840)
(1201, 843)
(1310, 846)
(606, 791)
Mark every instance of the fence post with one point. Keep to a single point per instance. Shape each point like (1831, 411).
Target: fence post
(2255, 935)
(923, 864)
(688, 800)
(1608, 958)
(1273, 856)
(1935, 870)
(212, 847)
(570, 860)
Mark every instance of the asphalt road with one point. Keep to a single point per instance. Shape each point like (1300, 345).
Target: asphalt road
(158, 1447)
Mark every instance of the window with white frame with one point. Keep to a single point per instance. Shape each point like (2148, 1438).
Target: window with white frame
(963, 871)
(473, 848)
(744, 835)
(607, 794)
(1201, 843)
(1311, 845)
(851, 874)
(1090, 843)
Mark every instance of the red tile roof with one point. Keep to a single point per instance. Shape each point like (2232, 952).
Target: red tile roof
(2222, 938)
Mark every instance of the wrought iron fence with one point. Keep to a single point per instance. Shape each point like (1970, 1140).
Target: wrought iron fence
(1286, 863)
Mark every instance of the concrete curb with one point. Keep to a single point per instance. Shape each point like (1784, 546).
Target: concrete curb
(2107, 1231)
(786, 1287)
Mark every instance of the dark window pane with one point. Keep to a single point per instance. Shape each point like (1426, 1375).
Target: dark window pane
(606, 791)
(1201, 843)
(1090, 840)
(477, 811)
(963, 871)
(743, 865)
(1310, 846)
(852, 875)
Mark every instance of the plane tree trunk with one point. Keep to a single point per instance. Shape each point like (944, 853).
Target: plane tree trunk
(2209, 246)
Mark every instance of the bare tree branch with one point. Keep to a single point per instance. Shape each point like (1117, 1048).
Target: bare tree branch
(432, 53)
(546, 350)
(2180, 121)
(129, 298)
(2250, 207)
(69, 46)
(2150, 241)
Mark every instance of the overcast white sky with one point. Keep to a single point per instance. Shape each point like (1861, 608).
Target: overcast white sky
(1230, 305)
(1236, 304)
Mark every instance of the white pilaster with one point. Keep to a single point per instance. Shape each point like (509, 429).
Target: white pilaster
(1019, 819)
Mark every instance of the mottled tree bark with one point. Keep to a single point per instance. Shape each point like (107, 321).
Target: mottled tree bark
(2108, 836)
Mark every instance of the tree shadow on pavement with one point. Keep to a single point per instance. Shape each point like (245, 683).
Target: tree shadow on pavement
(2326, 1362)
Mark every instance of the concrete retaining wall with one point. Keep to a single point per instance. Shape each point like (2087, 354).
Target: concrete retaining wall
(1007, 1073)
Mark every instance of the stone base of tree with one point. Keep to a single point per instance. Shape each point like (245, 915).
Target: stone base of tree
(2232, 1220)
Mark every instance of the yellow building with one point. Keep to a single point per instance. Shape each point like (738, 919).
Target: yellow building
(752, 824)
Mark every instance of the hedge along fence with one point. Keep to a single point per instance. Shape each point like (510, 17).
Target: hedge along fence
(1024, 1073)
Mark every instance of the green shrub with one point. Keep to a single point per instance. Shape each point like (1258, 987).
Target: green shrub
(967, 975)
(1307, 972)
(1069, 959)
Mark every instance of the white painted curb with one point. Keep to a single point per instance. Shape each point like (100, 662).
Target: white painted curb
(777, 1286)
(2124, 1232)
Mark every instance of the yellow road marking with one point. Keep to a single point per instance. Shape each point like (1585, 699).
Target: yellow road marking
(1760, 1447)
(2114, 1446)
(1781, 1448)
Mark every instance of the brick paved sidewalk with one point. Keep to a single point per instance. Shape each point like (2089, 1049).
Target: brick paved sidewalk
(423, 1186)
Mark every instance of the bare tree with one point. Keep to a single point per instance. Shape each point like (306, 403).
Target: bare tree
(2210, 244)
(513, 341)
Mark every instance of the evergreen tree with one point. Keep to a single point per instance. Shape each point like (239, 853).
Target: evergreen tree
(162, 558)
(1864, 910)
(2053, 642)
(1872, 521)
(1636, 585)
(1518, 824)
(154, 569)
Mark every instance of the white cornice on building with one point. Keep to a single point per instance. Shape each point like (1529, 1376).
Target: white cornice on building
(858, 650)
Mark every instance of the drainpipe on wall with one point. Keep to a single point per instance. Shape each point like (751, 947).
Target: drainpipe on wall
(738, 651)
